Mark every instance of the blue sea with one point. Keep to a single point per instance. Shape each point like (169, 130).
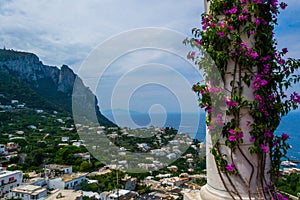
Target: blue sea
(194, 124)
(290, 125)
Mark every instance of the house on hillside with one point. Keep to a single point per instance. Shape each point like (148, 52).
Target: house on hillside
(52, 169)
(28, 192)
(9, 180)
(68, 181)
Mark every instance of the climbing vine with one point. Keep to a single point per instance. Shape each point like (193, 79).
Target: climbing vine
(240, 33)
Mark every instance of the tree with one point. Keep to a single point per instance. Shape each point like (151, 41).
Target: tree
(85, 166)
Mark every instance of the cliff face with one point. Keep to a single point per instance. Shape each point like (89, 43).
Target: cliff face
(50, 82)
(28, 67)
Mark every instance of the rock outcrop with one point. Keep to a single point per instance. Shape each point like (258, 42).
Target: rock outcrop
(52, 83)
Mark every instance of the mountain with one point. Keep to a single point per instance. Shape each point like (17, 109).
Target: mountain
(24, 77)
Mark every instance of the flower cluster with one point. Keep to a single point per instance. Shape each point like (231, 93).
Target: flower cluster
(235, 134)
(264, 69)
(279, 196)
(230, 168)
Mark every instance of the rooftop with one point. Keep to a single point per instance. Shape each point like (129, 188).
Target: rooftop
(8, 173)
(64, 195)
(29, 189)
(70, 177)
(57, 167)
(33, 180)
(119, 193)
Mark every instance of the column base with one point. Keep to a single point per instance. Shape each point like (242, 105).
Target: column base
(209, 193)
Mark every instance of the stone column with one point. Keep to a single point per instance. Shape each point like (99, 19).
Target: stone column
(248, 185)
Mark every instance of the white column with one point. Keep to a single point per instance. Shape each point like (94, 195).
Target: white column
(245, 163)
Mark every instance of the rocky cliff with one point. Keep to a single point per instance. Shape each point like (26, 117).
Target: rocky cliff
(50, 82)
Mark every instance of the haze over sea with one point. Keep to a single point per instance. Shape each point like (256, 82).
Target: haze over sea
(290, 125)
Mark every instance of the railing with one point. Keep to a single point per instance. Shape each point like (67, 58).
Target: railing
(10, 182)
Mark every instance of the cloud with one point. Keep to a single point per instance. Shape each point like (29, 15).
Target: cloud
(66, 31)
(72, 29)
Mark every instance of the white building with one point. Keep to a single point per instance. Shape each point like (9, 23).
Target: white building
(65, 139)
(9, 180)
(118, 194)
(93, 195)
(52, 168)
(68, 181)
(14, 101)
(28, 192)
(37, 181)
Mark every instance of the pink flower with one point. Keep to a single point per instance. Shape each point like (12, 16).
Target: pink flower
(254, 55)
(221, 34)
(252, 139)
(258, 82)
(230, 27)
(283, 5)
(231, 103)
(295, 98)
(248, 123)
(232, 138)
(256, 21)
(230, 167)
(233, 10)
(244, 3)
(257, 1)
(271, 97)
(251, 32)
(263, 82)
(232, 131)
(285, 136)
(264, 148)
(274, 3)
(279, 196)
(219, 121)
(285, 50)
(240, 135)
(265, 58)
(257, 97)
(267, 68)
(219, 115)
(268, 134)
(221, 24)
(240, 17)
(280, 61)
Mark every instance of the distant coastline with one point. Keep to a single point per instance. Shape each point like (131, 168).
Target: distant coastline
(289, 124)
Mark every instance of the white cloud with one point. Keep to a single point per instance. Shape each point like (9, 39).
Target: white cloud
(65, 31)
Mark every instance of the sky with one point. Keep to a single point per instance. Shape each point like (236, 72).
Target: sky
(136, 70)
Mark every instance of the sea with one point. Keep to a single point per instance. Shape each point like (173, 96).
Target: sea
(194, 125)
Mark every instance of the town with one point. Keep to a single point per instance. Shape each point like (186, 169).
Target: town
(42, 157)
